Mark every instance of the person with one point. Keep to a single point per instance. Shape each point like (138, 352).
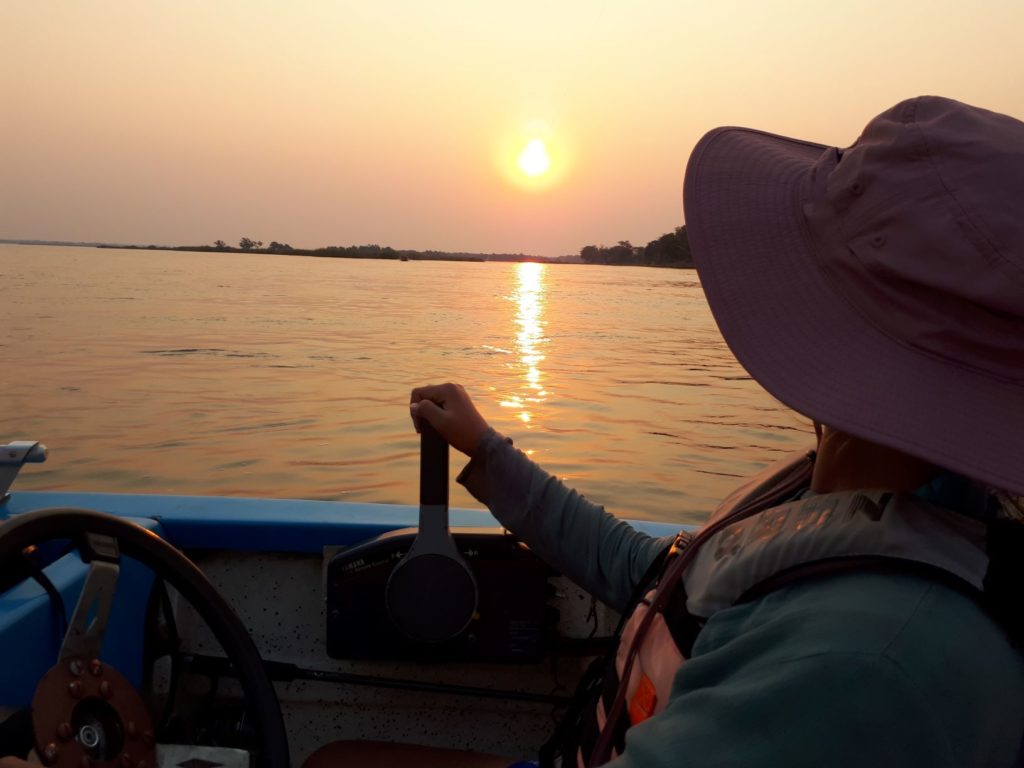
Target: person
(878, 290)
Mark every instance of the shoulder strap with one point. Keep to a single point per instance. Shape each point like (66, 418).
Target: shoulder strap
(999, 597)
(652, 576)
(833, 526)
(858, 564)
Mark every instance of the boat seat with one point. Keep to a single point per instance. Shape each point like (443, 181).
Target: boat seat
(387, 754)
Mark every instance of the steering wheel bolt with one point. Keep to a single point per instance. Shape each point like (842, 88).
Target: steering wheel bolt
(132, 730)
(126, 761)
(96, 667)
(64, 731)
(85, 762)
(76, 667)
(50, 753)
(106, 690)
(75, 689)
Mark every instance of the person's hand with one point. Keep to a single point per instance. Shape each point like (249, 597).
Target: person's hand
(16, 762)
(450, 411)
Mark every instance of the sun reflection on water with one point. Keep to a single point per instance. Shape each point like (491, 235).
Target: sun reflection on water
(529, 299)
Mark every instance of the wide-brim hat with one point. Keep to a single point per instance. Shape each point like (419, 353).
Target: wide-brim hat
(878, 289)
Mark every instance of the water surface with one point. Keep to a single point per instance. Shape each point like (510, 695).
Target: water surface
(283, 376)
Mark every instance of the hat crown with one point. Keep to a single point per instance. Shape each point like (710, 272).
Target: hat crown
(927, 202)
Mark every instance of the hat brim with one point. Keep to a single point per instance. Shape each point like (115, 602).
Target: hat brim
(804, 342)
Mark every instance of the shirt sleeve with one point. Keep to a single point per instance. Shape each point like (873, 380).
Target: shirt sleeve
(604, 555)
(830, 709)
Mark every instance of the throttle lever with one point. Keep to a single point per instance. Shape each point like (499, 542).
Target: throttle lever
(432, 594)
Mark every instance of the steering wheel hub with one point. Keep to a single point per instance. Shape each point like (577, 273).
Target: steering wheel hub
(90, 715)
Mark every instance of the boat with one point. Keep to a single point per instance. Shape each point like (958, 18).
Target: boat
(194, 631)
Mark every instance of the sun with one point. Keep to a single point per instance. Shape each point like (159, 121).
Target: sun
(534, 159)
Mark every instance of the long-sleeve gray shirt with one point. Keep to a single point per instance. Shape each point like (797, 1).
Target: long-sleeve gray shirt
(856, 669)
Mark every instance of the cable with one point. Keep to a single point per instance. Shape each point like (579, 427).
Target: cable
(60, 616)
(175, 643)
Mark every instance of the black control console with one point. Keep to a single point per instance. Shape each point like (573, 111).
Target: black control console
(512, 622)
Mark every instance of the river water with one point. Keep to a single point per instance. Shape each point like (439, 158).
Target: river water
(286, 376)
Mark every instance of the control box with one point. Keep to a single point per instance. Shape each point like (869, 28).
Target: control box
(513, 622)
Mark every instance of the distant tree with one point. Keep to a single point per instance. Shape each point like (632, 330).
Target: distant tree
(684, 241)
(247, 244)
(276, 247)
(623, 253)
(359, 251)
(672, 249)
(220, 245)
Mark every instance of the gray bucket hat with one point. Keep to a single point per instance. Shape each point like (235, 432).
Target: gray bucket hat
(878, 288)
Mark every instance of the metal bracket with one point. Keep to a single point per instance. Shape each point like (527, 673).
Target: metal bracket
(84, 638)
(13, 457)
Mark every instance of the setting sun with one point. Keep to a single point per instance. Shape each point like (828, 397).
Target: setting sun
(534, 159)
(536, 155)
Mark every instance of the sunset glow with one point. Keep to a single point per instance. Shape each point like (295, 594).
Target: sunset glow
(445, 125)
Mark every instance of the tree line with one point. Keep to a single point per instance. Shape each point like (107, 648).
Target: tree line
(248, 244)
(369, 251)
(670, 250)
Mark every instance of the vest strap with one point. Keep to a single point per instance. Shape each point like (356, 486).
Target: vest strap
(833, 526)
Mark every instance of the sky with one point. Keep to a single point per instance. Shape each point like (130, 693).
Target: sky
(400, 123)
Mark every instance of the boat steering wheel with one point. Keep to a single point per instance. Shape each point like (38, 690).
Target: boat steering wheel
(85, 713)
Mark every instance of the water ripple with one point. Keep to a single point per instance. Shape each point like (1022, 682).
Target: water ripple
(290, 377)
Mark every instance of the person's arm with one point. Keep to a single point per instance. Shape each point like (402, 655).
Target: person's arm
(601, 553)
(604, 555)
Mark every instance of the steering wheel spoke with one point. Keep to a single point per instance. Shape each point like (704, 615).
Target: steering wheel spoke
(84, 639)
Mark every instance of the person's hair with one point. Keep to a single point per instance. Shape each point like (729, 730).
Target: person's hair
(1010, 505)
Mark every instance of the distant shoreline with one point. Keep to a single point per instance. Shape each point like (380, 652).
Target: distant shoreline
(318, 253)
(343, 252)
(351, 252)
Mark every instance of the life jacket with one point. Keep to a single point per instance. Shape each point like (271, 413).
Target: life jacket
(761, 538)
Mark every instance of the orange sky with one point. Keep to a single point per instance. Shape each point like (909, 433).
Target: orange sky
(398, 123)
